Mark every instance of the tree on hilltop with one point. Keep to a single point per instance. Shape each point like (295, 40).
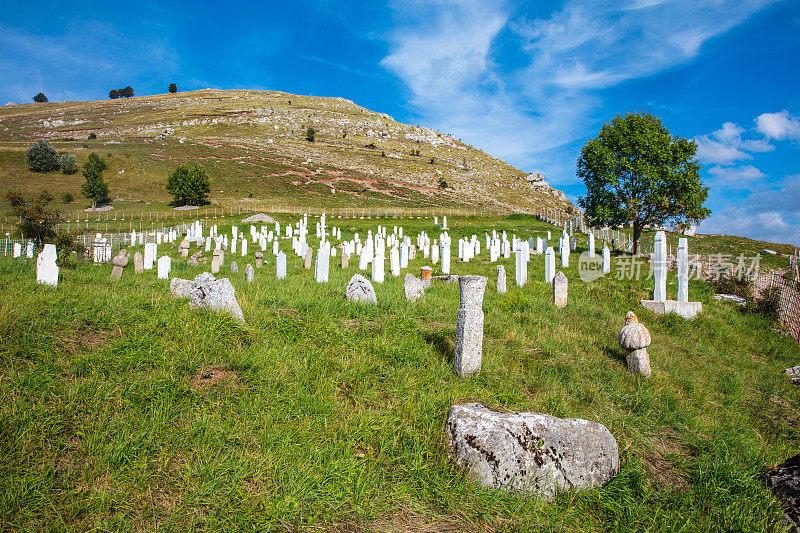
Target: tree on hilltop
(126, 92)
(189, 185)
(173, 88)
(40, 98)
(95, 189)
(113, 94)
(636, 172)
(42, 157)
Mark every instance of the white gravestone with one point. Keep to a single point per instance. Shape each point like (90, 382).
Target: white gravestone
(164, 267)
(46, 267)
(280, 266)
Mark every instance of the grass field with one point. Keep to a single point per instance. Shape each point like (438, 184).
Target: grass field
(124, 410)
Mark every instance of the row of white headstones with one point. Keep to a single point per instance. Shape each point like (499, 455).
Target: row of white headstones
(372, 251)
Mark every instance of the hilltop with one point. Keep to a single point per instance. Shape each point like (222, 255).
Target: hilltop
(253, 144)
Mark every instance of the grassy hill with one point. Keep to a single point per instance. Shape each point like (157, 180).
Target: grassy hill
(253, 144)
(121, 409)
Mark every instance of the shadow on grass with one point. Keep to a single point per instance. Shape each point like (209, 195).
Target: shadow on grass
(616, 354)
(443, 344)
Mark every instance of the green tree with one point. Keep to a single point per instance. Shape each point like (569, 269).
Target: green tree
(40, 98)
(126, 92)
(189, 185)
(69, 165)
(311, 134)
(635, 172)
(95, 189)
(42, 157)
(36, 221)
(113, 94)
(173, 88)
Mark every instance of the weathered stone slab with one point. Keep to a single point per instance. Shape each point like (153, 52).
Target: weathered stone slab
(469, 326)
(360, 290)
(784, 480)
(685, 309)
(531, 452)
(560, 284)
(413, 288)
(217, 295)
(180, 288)
(46, 267)
(138, 263)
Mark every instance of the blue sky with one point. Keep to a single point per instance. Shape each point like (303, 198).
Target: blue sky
(528, 82)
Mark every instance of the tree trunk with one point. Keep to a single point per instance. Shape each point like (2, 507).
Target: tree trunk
(637, 233)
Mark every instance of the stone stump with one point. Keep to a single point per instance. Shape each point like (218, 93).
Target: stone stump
(120, 261)
(501, 279)
(249, 273)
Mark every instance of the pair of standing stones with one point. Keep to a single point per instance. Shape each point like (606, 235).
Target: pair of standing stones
(560, 286)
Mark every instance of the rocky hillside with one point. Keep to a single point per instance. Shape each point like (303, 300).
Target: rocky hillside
(253, 143)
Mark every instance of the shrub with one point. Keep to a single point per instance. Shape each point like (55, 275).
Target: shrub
(92, 136)
(113, 94)
(371, 146)
(67, 198)
(173, 88)
(95, 189)
(36, 221)
(189, 186)
(40, 98)
(311, 133)
(69, 165)
(65, 245)
(768, 304)
(442, 183)
(42, 157)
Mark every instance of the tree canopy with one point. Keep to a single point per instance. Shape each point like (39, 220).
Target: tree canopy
(189, 185)
(636, 173)
(113, 94)
(95, 189)
(40, 98)
(36, 221)
(173, 88)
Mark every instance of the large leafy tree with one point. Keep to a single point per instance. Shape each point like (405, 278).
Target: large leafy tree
(636, 173)
(173, 88)
(40, 98)
(94, 188)
(37, 222)
(189, 185)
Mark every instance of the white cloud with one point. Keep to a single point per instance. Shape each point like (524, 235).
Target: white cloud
(771, 215)
(779, 125)
(528, 112)
(726, 146)
(737, 175)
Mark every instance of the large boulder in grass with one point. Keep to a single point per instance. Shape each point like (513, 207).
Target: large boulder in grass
(531, 452)
(784, 480)
(180, 288)
(217, 295)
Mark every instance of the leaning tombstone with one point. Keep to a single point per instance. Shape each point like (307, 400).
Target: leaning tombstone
(120, 261)
(560, 290)
(469, 326)
(360, 290)
(46, 267)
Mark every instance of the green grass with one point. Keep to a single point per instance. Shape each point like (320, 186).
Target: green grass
(324, 414)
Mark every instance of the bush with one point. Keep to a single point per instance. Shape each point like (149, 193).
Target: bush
(95, 189)
(442, 183)
(37, 222)
(113, 94)
(67, 198)
(189, 186)
(173, 88)
(311, 133)
(40, 98)
(65, 245)
(768, 304)
(69, 165)
(92, 136)
(42, 157)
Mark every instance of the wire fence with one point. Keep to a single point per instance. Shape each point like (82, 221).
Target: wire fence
(788, 299)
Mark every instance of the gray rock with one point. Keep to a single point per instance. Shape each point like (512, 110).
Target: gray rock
(784, 480)
(217, 295)
(794, 374)
(414, 288)
(180, 288)
(120, 261)
(531, 452)
(448, 278)
(360, 290)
